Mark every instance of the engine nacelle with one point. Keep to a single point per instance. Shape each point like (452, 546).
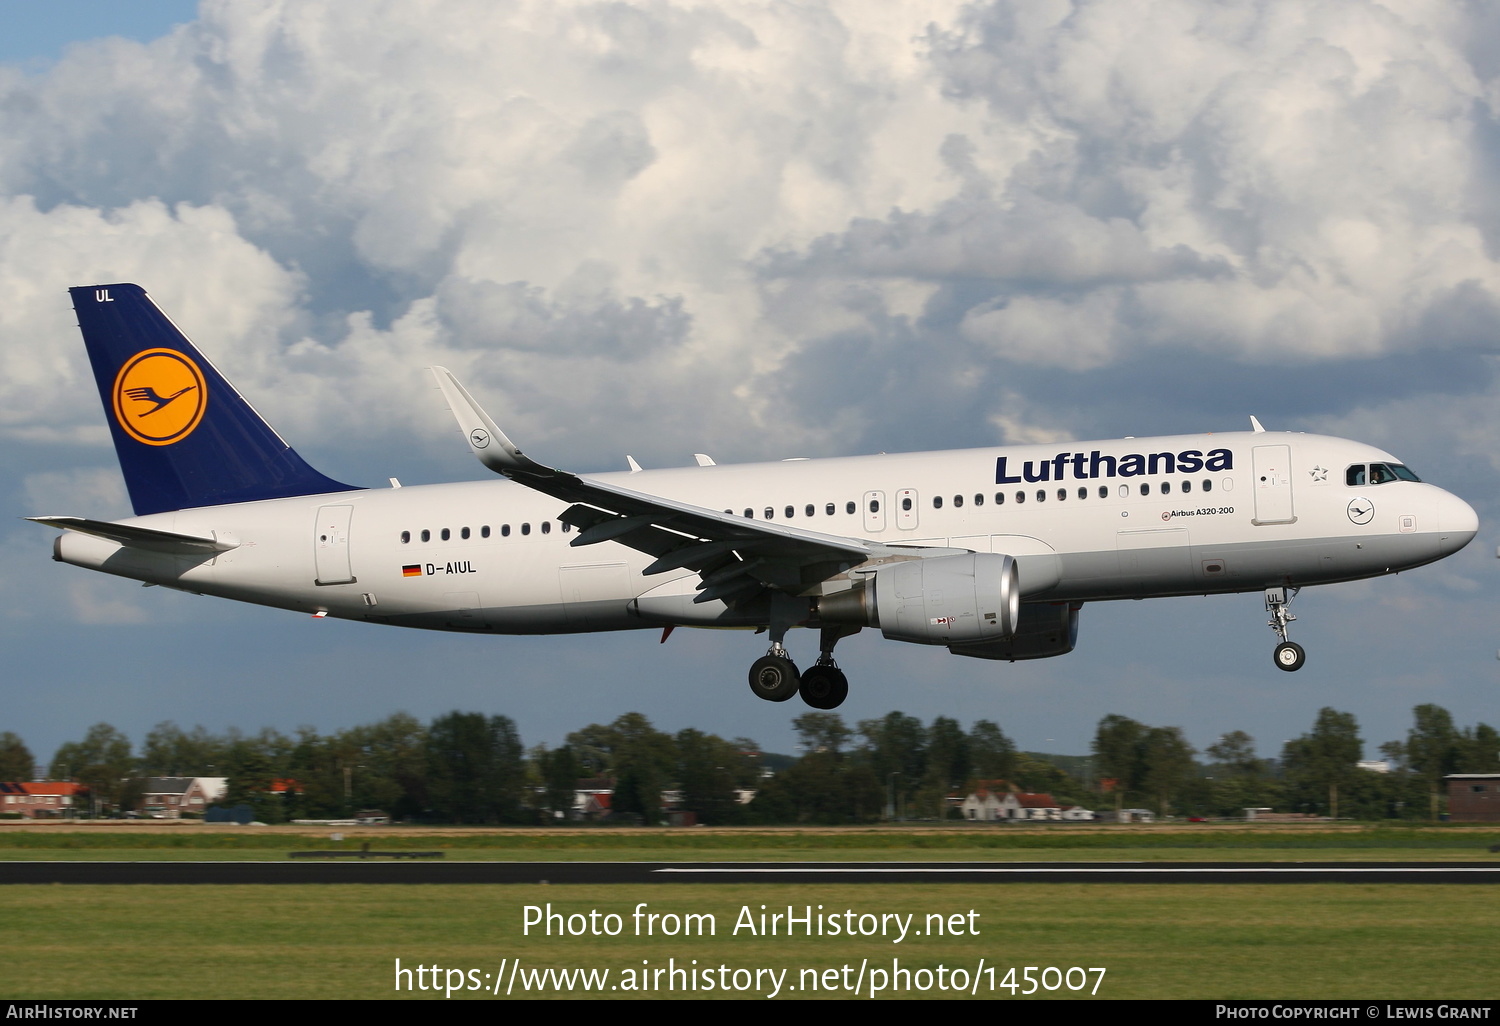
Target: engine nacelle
(1045, 629)
(945, 600)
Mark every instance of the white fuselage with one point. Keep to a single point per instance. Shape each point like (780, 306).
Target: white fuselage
(1272, 509)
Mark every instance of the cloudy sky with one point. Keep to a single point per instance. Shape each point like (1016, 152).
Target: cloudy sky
(756, 230)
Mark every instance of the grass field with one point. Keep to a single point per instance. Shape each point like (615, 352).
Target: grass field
(1172, 941)
(1356, 941)
(111, 841)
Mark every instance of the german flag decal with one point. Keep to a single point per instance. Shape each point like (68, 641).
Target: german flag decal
(412, 570)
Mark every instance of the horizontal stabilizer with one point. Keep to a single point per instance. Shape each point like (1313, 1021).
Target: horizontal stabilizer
(140, 537)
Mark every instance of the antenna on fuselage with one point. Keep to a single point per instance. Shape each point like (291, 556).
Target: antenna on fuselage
(1255, 426)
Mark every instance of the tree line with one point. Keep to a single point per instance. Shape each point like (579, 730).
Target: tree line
(1318, 773)
(469, 767)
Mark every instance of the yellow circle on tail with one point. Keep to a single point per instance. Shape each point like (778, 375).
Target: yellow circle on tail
(159, 396)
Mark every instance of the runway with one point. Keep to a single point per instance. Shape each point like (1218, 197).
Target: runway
(370, 871)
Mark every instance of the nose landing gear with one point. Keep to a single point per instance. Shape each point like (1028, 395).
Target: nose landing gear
(1289, 655)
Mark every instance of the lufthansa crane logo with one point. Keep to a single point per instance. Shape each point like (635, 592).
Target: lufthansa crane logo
(159, 396)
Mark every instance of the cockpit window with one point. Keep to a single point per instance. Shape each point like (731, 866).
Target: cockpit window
(1377, 473)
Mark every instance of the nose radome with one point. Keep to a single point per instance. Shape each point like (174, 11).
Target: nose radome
(1458, 521)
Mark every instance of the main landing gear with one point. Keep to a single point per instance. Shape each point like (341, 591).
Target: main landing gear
(825, 686)
(774, 676)
(1288, 655)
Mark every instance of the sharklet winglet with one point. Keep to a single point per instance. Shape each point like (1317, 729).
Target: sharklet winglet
(488, 443)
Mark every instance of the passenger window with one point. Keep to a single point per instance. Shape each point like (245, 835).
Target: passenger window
(1062, 493)
(937, 502)
(828, 509)
(874, 505)
(1020, 496)
(1354, 477)
(810, 509)
(1041, 495)
(546, 527)
(749, 514)
(1146, 488)
(569, 527)
(1104, 491)
(464, 534)
(958, 500)
(1083, 493)
(446, 534)
(978, 499)
(906, 502)
(791, 511)
(484, 532)
(405, 537)
(849, 507)
(505, 530)
(525, 528)
(770, 513)
(1187, 486)
(426, 535)
(999, 498)
(1208, 485)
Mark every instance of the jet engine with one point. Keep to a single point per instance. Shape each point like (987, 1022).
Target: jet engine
(1046, 629)
(945, 600)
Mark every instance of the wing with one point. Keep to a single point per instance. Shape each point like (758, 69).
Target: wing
(737, 558)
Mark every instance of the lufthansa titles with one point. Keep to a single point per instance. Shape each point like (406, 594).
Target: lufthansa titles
(1089, 465)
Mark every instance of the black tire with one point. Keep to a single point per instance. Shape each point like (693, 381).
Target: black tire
(824, 687)
(1289, 656)
(774, 678)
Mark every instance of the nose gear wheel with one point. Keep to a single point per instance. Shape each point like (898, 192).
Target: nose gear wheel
(1289, 655)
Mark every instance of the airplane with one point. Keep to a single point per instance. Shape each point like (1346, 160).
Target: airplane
(990, 553)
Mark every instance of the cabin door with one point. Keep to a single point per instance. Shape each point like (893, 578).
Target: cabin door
(331, 545)
(1271, 467)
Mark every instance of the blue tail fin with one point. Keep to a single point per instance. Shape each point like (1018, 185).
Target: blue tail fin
(184, 436)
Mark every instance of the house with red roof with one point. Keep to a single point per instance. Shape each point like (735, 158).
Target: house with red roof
(43, 799)
(996, 800)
